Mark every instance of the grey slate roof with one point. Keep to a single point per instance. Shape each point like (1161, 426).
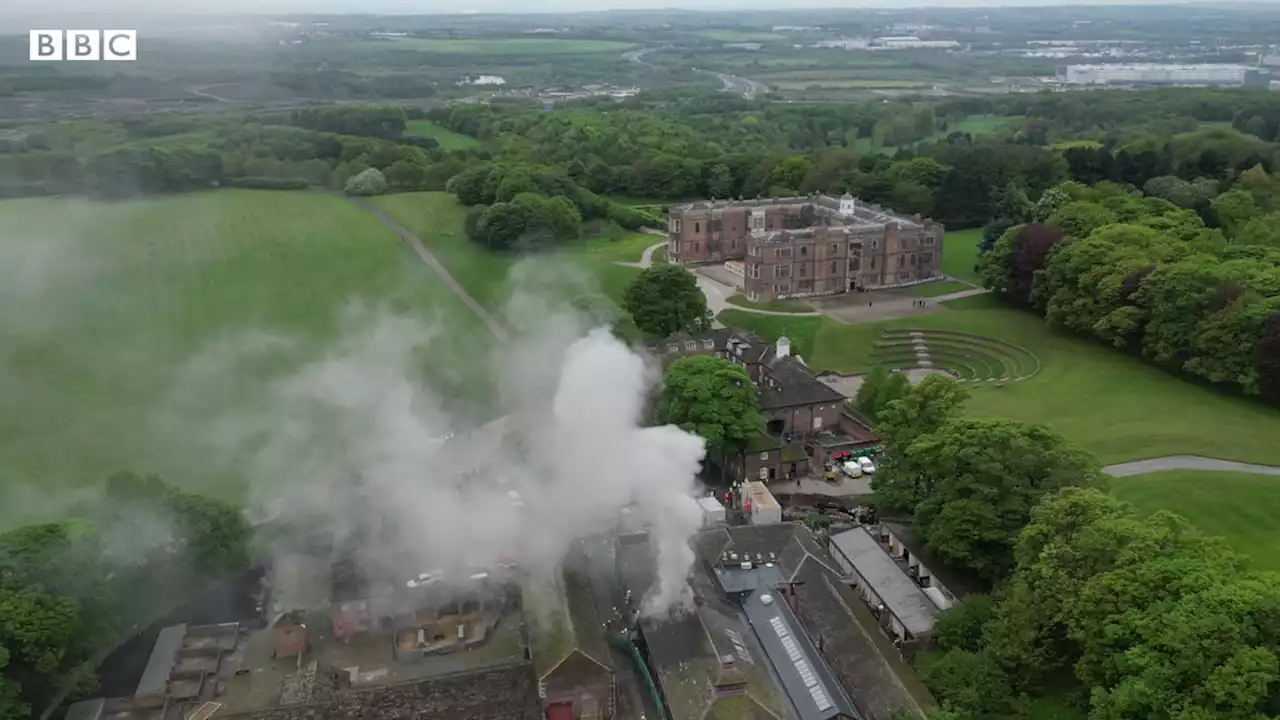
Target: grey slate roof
(688, 653)
(904, 598)
(789, 544)
(155, 678)
(830, 611)
(797, 386)
(563, 619)
(813, 690)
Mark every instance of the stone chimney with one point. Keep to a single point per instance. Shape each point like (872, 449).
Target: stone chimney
(783, 348)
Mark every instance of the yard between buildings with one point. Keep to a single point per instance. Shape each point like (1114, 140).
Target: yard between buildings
(1240, 507)
(114, 312)
(1114, 405)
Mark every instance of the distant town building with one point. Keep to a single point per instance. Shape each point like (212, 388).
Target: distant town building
(483, 80)
(911, 42)
(1155, 74)
(807, 246)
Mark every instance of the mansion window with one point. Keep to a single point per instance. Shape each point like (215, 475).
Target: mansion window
(833, 267)
(803, 269)
(675, 225)
(804, 251)
(873, 263)
(697, 227)
(781, 271)
(855, 264)
(928, 240)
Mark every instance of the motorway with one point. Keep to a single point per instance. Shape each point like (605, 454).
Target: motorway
(745, 87)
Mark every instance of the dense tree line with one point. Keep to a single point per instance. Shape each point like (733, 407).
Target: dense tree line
(526, 207)
(1093, 607)
(1124, 616)
(70, 589)
(1147, 276)
(755, 150)
(968, 485)
(175, 154)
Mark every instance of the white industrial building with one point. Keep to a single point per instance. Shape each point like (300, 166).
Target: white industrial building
(1156, 74)
(912, 43)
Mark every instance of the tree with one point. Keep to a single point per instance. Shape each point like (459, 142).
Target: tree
(1049, 204)
(960, 627)
(501, 225)
(368, 183)
(713, 398)
(978, 481)
(895, 387)
(970, 684)
(867, 397)
(665, 299)
(922, 410)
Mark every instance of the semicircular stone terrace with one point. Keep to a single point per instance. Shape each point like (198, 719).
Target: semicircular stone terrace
(968, 356)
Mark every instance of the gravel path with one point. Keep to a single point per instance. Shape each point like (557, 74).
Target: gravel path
(1186, 462)
(415, 242)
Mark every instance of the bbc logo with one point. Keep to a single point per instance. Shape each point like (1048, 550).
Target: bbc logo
(84, 45)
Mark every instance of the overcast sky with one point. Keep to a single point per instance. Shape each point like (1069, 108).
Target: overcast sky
(14, 8)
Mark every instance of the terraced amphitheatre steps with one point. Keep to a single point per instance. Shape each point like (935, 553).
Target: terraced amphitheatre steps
(1009, 363)
(968, 356)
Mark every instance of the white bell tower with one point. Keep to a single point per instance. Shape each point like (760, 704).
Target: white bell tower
(846, 205)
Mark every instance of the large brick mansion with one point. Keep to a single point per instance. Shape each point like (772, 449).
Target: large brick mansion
(805, 246)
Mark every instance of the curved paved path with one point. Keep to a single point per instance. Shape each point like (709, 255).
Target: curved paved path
(415, 242)
(1186, 462)
(646, 259)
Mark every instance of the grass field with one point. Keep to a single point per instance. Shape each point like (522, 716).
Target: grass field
(121, 295)
(1241, 507)
(960, 254)
(511, 46)
(791, 306)
(448, 139)
(1115, 405)
(437, 218)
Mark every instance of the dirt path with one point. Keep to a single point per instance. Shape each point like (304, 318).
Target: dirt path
(1186, 462)
(413, 241)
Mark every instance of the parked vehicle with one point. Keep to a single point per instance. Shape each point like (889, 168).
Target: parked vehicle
(866, 464)
(852, 469)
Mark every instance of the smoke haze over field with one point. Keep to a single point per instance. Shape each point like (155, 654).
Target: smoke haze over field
(349, 445)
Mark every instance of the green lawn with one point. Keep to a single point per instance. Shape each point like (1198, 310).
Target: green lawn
(511, 46)
(108, 306)
(791, 306)
(1115, 405)
(437, 218)
(960, 254)
(448, 139)
(1241, 507)
(942, 287)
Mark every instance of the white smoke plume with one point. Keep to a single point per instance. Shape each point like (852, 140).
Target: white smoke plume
(351, 441)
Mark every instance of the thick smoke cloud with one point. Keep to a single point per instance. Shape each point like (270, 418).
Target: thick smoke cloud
(351, 444)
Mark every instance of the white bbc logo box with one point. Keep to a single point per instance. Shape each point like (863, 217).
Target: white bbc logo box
(84, 45)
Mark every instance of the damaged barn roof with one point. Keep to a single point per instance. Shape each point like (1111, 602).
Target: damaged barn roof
(562, 618)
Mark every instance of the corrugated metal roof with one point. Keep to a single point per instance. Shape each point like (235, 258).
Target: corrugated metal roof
(902, 595)
(156, 677)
